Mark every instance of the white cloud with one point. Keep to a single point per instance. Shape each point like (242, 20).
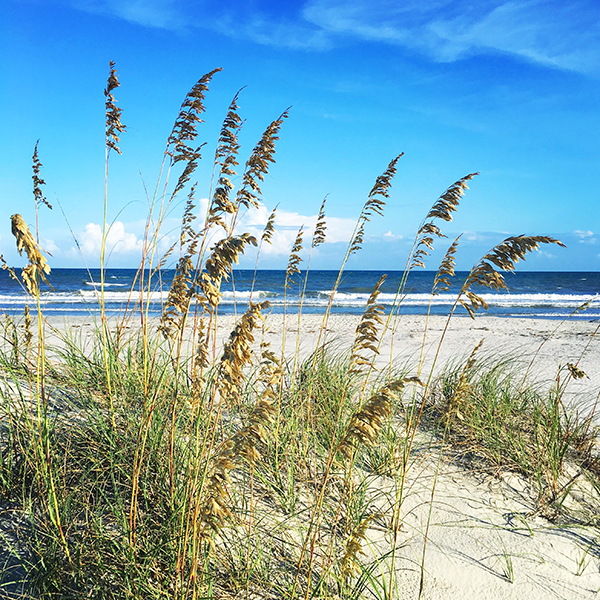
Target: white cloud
(554, 33)
(118, 241)
(50, 247)
(287, 225)
(162, 14)
(274, 32)
(475, 236)
(388, 236)
(585, 237)
(543, 254)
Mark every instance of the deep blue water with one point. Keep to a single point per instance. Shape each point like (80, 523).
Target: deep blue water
(552, 295)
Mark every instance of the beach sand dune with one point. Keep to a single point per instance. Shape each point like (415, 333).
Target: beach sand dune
(482, 533)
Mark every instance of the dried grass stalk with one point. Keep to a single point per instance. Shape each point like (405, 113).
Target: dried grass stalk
(504, 256)
(349, 564)
(441, 283)
(374, 204)
(294, 260)
(269, 230)
(463, 387)
(178, 300)
(200, 363)
(270, 374)
(226, 158)
(320, 227)
(366, 339)
(244, 445)
(366, 424)
(218, 265)
(442, 209)
(183, 134)
(237, 355)
(214, 512)
(38, 265)
(28, 333)
(181, 292)
(258, 165)
(114, 127)
(184, 129)
(188, 233)
(37, 180)
(575, 371)
(187, 173)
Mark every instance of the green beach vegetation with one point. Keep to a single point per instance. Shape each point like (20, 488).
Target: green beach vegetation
(155, 463)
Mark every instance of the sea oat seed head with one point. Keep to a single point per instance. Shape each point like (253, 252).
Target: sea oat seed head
(38, 266)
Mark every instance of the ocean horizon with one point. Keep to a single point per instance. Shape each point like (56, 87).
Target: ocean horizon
(534, 294)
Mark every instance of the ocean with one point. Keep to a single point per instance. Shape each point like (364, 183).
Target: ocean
(550, 295)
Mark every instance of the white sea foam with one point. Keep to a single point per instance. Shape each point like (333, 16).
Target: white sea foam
(106, 284)
(320, 299)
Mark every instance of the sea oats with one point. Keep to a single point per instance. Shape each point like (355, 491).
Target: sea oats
(182, 287)
(575, 371)
(214, 510)
(463, 388)
(294, 260)
(366, 423)
(374, 204)
(442, 209)
(237, 354)
(226, 160)
(200, 362)
(187, 231)
(504, 256)
(270, 373)
(448, 202)
(349, 563)
(218, 265)
(186, 174)
(184, 129)
(27, 327)
(37, 180)
(183, 134)
(445, 271)
(366, 339)
(269, 230)
(38, 265)
(114, 127)
(178, 299)
(320, 227)
(258, 165)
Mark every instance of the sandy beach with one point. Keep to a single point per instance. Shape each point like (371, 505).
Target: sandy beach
(484, 536)
(538, 346)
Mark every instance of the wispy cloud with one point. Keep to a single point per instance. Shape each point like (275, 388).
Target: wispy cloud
(554, 33)
(162, 14)
(585, 237)
(271, 30)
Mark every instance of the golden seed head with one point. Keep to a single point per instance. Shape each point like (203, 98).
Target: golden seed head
(38, 266)
(575, 371)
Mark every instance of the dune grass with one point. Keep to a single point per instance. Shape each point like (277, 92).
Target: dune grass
(157, 463)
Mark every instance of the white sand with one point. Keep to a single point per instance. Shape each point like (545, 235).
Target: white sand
(539, 346)
(484, 539)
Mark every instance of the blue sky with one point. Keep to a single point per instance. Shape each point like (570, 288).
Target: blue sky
(507, 88)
